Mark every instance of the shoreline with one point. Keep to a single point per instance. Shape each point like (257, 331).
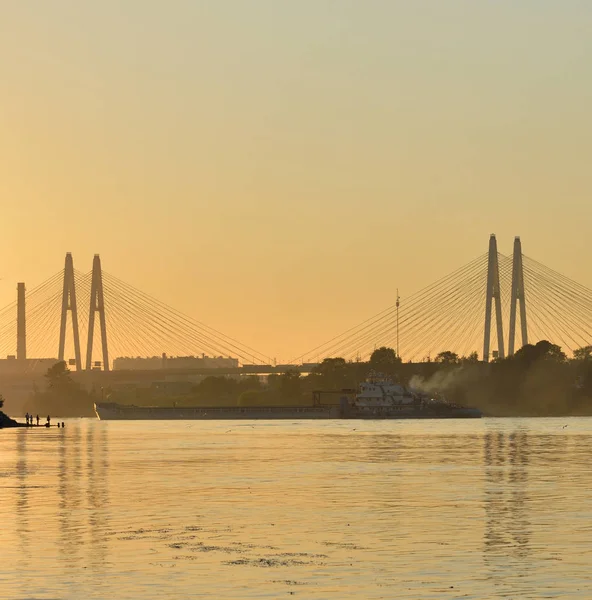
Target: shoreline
(7, 423)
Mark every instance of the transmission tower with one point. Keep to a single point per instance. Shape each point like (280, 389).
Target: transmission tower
(97, 305)
(518, 296)
(493, 293)
(69, 304)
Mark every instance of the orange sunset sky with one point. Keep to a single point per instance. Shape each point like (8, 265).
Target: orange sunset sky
(278, 168)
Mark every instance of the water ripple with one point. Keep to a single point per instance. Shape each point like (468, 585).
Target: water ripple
(496, 508)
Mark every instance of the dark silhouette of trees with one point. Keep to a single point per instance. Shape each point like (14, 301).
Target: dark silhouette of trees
(63, 396)
(214, 387)
(251, 398)
(251, 382)
(537, 380)
(471, 359)
(447, 358)
(290, 386)
(543, 350)
(385, 360)
(331, 374)
(584, 353)
(59, 378)
(281, 389)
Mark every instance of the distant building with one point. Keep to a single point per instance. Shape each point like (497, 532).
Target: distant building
(152, 363)
(139, 363)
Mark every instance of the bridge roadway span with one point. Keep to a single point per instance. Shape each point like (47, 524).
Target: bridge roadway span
(160, 374)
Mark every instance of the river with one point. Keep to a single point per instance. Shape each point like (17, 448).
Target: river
(490, 508)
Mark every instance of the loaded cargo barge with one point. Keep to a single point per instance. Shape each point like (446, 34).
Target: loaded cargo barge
(111, 410)
(378, 398)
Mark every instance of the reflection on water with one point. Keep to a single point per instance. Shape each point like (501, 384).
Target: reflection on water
(71, 481)
(489, 509)
(97, 494)
(507, 528)
(22, 497)
(82, 495)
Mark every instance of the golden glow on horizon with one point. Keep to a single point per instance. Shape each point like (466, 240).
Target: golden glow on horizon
(278, 170)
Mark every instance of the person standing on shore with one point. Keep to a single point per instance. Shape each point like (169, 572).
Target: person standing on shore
(48, 424)
(27, 418)
(37, 420)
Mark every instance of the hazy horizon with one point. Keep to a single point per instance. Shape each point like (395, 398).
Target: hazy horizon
(279, 170)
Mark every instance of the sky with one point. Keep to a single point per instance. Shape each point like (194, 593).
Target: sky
(279, 168)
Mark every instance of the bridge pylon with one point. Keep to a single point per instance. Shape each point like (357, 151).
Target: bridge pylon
(97, 305)
(518, 296)
(69, 304)
(493, 293)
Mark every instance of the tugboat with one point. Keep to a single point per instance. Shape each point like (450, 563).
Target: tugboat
(381, 398)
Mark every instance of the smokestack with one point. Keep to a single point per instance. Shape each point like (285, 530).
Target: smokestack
(21, 324)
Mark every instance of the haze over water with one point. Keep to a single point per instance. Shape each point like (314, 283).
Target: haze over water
(336, 509)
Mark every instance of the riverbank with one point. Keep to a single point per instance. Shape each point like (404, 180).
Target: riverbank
(6, 422)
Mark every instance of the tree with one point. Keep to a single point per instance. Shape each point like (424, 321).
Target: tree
(551, 351)
(212, 388)
(251, 382)
(543, 350)
(290, 384)
(332, 373)
(273, 382)
(63, 396)
(384, 360)
(447, 358)
(472, 358)
(584, 353)
(250, 398)
(59, 377)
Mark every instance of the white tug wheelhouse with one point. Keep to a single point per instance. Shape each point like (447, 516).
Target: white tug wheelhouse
(379, 391)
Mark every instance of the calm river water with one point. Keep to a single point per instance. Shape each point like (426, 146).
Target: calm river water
(491, 508)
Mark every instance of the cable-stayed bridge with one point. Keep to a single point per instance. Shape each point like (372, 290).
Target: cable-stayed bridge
(95, 320)
(491, 306)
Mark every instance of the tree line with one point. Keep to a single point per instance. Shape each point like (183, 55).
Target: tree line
(537, 380)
